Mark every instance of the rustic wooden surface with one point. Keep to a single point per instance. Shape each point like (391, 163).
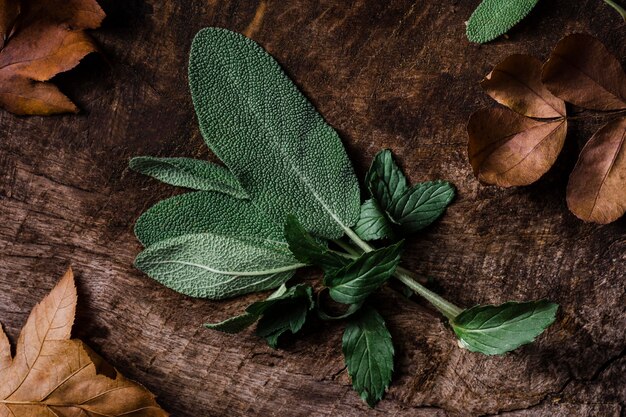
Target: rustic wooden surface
(397, 74)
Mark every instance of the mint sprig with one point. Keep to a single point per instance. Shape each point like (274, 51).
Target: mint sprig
(288, 198)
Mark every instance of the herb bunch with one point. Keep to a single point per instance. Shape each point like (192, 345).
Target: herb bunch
(287, 199)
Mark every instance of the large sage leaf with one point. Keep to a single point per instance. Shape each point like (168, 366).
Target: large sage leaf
(368, 351)
(201, 212)
(269, 135)
(494, 330)
(215, 266)
(189, 173)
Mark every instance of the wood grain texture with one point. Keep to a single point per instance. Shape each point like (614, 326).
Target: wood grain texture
(397, 74)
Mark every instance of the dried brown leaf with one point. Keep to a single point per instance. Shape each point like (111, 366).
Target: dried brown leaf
(596, 191)
(516, 83)
(583, 72)
(508, 149)
(49, 39)
(53, 375)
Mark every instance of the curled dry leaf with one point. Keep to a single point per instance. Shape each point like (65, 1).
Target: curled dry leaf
(508, 149)
(596, 191)
(41, 39)
(53, 375)
(583, 72)
(516, 83)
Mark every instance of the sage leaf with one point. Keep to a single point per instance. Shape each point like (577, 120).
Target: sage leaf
(309, 250)
(270, 136)
(493, 18)
(257, 309)
(214, 266)
(205, 212)
(355, 281)
(286, 315)
(385, 179)
(373, 223)
(368, 351)
(189, 173)
(421, 205)
(494, 330)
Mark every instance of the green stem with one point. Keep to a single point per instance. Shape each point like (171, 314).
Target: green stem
(411, 280)
(444, 306)
(617, 7)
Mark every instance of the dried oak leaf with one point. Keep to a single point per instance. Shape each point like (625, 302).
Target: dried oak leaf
(53, 375)
(507, 149)
(596, 191)
(516, 83)
(41, 39)
(583, 72)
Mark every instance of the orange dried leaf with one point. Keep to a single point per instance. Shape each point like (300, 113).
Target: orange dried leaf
(516, 83)
(596, 191)
(508, 149)
(583, 72)
(54, 375)
(48, 39)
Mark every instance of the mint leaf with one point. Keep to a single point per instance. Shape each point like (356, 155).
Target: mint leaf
(493, 18)
(368, 351)
(283, 299)
(308, 250)
(385, 179)
(189, 173)
(421, 205)
(215, 266)
(205, 212)
(269, 135)
(494, 330)
(355, 281)
(373, 224)
(286, 316)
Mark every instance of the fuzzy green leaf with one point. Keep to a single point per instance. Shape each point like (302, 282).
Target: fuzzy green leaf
(385, 180)
(373, 224)
(308, 250)
(214, 266)
(300, 293)
(205, 212)
(421, 205)
(287, 315)
(368, 351)
(493, 18)
(355, 281)
(269, 135)
(494, 330)
(189, 173)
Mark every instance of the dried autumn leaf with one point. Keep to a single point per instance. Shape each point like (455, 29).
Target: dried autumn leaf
(508, 149)
(53, 375)
(516, 83)
(596, 191)
(47, 39)
(583, 72)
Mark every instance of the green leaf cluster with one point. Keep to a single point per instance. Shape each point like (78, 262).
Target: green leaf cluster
(286, 198)
(394, 208)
